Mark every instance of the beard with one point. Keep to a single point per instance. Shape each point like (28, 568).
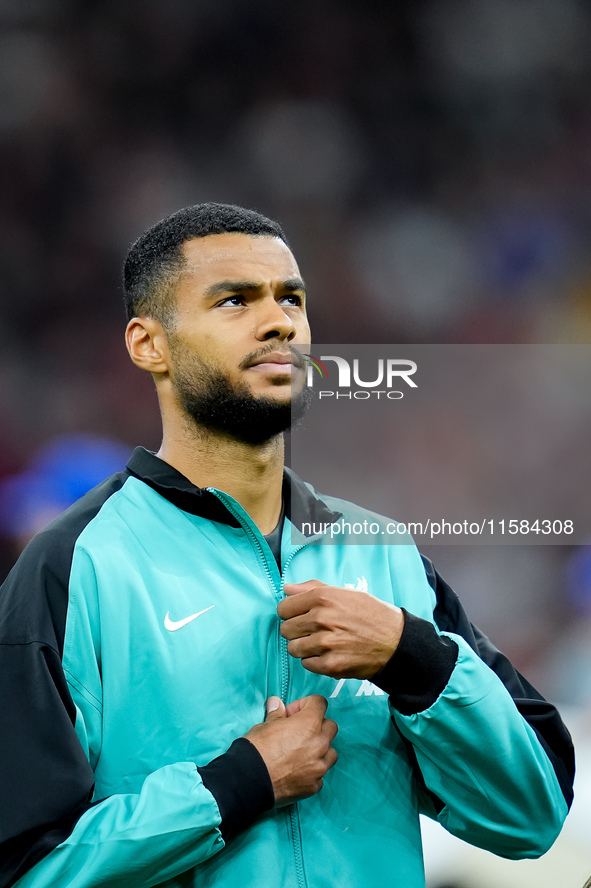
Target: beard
(211, 401)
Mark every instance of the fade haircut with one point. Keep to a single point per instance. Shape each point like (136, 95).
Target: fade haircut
(155, 260)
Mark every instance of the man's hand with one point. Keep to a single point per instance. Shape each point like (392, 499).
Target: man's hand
(339, 632)
(294, 742)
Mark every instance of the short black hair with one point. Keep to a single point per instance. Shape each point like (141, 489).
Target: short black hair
(155, 260)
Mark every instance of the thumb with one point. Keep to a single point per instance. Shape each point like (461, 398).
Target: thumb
(275, 709)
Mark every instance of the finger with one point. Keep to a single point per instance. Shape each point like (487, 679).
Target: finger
(298, 627)
(296, 605)
(331, 758)
(294, 706)
(301, 703)
(296, 588)
(315, 704)
(330, 729)
(320, 665)
(275, 709)
(308, 646)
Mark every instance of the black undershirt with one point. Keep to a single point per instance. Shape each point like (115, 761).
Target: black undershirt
(274, 538)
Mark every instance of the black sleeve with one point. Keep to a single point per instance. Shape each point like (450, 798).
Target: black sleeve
(420, 667)
(46, 782)
(542, 716)
(240, 783)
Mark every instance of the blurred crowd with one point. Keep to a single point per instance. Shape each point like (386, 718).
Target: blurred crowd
(430, 162)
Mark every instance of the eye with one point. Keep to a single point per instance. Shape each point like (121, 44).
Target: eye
(232, 301)
(293, 299)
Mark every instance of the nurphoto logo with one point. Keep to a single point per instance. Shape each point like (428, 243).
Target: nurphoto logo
(389, 372)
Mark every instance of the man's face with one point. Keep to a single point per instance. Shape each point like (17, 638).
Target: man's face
(240, 306)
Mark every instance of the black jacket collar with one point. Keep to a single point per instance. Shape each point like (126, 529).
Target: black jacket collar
(300, 503)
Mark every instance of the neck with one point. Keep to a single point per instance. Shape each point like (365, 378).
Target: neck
(251, 474)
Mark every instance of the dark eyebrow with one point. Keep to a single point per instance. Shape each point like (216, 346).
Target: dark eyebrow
(295, 284)
(240, 286)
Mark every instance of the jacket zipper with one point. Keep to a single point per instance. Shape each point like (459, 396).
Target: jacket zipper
(282, 641)
(291, 811)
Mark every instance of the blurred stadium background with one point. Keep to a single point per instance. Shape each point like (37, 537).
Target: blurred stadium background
(431, 164)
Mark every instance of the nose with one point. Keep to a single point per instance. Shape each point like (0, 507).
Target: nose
(273, 322)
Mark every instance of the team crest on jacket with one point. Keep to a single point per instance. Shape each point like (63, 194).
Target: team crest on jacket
(366, 689)
(360, 587)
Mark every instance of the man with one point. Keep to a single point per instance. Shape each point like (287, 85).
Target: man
(144, 631)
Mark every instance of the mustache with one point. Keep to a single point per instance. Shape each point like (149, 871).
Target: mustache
(296, 356)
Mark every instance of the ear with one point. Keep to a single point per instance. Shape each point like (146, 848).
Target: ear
(147, 345)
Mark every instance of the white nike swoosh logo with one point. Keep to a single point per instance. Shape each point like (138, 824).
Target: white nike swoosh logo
(172, 626)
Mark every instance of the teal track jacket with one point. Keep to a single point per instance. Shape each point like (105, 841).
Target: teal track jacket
(139, 640)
